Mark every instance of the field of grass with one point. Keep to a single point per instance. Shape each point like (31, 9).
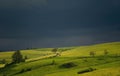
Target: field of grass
(108, 69)
(32, 53)
(41, 62)
(113, 48)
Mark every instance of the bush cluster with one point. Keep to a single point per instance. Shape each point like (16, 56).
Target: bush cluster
(86, 70)
(68, 65)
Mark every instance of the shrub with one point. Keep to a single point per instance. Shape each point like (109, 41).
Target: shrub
(25, 57)
(85, 60)
(29, 69)
(3, 61)
(9, 64)
(53, 62)
(22, 71)
(106, 52)
(68, 65)
(100, 58)
(86, 70)
(92, 53)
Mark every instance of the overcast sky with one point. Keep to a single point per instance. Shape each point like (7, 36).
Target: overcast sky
(58, 23)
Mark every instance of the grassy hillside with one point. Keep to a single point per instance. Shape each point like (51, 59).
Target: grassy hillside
(113, 48)
(73, 60)
(31, 53)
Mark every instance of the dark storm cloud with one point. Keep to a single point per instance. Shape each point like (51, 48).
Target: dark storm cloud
(24, 4)
(27, 23)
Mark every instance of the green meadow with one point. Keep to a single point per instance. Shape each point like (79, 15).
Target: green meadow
(71, 61)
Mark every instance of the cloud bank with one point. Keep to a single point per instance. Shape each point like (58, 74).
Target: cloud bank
(61, 23)
(22, 3)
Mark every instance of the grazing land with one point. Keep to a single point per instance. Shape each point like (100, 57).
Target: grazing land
(94, 60)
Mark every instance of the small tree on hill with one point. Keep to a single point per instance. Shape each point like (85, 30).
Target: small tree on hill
(106, 52)
(25, 57)
(3, 61)
(17, 57)
(53, 62)
(92, 53)
(54, 50)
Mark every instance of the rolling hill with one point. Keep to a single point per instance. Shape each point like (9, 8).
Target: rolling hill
(72, 61)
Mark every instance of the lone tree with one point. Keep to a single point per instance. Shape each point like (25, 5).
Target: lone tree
(25, 57)
(17, 57)
(3, 61)
(106, 52)
(54, 50)
(53, 62)
(92, 53)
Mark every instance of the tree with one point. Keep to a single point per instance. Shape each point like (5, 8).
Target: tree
(25, 57)
(3, 61)
(53, 62)
(92, 53)
(105, 52)
(54, 50)
(17, 57)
